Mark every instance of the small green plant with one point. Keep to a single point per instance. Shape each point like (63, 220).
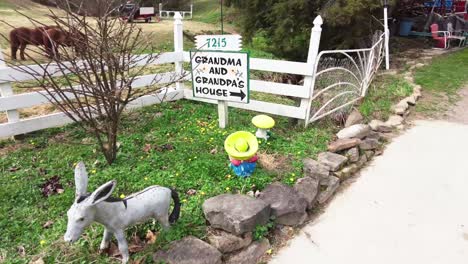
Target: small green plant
(262, 230)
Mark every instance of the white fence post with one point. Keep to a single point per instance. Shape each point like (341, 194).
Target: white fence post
(160, 10)
(5, 91)
(178, 46)
(311, 62)
(387, 38)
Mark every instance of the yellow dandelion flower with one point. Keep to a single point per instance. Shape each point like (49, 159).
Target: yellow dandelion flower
(189, 159)
(184, 200)
(269, 251)
(93, 171)
(227, 188)
(202, 193)
(291, 179)
(122, 196)
(177, 174)
(146, 178)
(42, 242)
(259, 142)
(293, 174)
(298, 152)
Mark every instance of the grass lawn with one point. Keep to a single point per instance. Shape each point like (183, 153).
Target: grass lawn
(445, 74)
(197, 161)
(441, 81)
(383, 93)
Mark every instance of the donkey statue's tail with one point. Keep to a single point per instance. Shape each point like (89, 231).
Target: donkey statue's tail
(176, 211)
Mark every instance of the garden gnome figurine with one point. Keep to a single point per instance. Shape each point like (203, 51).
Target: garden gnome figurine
(263, 123)
(242, 149)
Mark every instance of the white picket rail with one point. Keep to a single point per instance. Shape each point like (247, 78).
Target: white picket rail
(10, 103)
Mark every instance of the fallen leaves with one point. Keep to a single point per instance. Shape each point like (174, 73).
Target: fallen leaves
(37, 261)
(150, 237)
(21, 251)
(164, 147)
(135, 245)
(140, 260)
(214, 151)
(51, 186)
(48, 224)
(191, 192)
(147, 148)
(13, 169)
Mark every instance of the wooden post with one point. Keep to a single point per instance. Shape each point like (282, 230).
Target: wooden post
(179, 47)
(309, 81)
(6, 90)
(387, 37)
(223, 114)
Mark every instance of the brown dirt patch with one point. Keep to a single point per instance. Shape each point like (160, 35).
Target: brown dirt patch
(274, 162)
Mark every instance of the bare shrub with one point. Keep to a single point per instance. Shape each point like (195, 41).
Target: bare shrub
(95, 58)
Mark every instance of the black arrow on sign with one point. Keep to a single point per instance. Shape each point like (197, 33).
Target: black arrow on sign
(241, 94)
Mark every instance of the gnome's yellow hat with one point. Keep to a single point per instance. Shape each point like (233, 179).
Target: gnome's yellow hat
(241, 145)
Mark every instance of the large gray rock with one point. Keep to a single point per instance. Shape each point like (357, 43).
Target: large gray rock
(189, 250)
(332, 184)
(236, 213)
(394, 121)
(369, 144)
(380, 126)
(251, 255)
(286, 204)
(354, 118)
(400, 108)
(362, 161)
(354, 131)
(226, 242)
(315, 170)
(374, 135)
(331, 160)
(308, 188)
(353, 154)
(342, 144)
(347, 172)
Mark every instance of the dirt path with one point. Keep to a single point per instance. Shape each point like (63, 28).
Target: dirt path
(459, 113)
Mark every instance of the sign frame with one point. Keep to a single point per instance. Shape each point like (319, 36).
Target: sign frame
(194, 51)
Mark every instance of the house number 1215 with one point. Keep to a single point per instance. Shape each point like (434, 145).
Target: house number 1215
(216, 43)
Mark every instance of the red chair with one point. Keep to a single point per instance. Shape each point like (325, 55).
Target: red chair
(441, 37)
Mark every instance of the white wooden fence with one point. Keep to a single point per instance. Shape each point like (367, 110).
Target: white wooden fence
(168, 14)
(10, 102)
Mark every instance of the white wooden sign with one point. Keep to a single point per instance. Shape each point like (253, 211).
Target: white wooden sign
(219, 42)
(222, 76)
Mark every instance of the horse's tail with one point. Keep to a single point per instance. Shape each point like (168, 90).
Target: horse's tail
(14, 38)
(176, 211)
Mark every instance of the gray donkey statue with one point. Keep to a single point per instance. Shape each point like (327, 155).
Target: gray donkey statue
(117, 214)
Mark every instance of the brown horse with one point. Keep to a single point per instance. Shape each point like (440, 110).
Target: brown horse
(22, 36)
(54, 37)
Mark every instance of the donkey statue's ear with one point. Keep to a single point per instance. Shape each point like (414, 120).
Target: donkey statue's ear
(103, 192)
(81, 179)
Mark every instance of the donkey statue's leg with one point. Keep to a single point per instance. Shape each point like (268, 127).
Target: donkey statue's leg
(164, 220)
(106, 239)
(123, 246)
